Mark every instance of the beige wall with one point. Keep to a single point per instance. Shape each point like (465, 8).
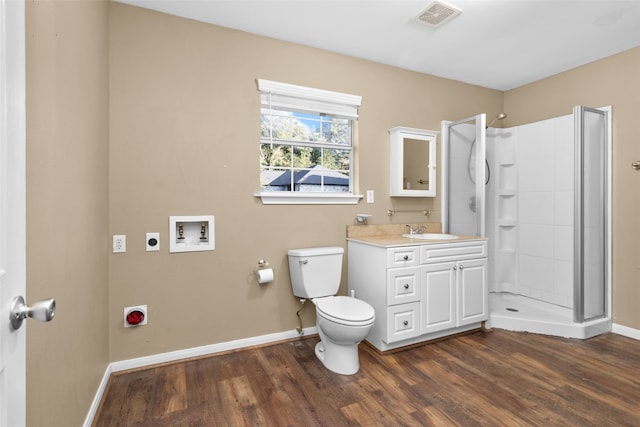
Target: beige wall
(611, 81)
(184, 141)
(67, 206)
(164, 121)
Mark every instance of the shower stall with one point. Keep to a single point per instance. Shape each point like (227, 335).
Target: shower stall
(540, 193)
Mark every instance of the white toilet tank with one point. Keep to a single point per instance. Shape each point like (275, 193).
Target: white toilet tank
(315, 272)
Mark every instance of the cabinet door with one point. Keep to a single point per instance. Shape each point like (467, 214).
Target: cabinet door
(438, 297)
(473, 305)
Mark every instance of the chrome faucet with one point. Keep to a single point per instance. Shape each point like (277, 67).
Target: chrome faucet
(417, 230)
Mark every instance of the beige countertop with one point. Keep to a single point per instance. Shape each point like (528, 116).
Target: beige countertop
(391, 241)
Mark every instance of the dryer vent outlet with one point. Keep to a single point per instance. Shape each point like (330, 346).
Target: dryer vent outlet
(135, 316)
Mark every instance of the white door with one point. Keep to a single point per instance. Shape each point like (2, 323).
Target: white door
(12, 208)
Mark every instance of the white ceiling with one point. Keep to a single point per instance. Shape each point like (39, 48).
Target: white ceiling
(499, 44)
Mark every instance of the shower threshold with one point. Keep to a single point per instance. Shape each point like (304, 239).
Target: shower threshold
(519, 313)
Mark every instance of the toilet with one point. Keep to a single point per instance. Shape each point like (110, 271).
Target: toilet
(342, 322)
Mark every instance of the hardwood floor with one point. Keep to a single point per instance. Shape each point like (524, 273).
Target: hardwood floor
(494, 378)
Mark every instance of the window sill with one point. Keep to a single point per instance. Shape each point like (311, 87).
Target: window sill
(282, 198)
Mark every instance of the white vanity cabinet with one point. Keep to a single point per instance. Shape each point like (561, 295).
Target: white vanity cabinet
(420, 292)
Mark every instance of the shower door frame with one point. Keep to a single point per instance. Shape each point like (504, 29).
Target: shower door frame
(605, 203)
(481, 152)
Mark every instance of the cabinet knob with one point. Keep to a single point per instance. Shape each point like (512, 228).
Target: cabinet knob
(406, 286)
(455, 267)
(405, 323)
(461, 266)
(406, 257)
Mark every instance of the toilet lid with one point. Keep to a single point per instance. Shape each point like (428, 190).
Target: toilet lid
(345, 308)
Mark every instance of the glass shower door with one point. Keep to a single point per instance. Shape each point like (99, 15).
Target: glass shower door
(591, 214)
(464, 176)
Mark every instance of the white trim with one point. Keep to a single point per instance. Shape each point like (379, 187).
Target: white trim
(626, 331)
(173, 356)
(205, 350)
(299, 198)
(93, 409)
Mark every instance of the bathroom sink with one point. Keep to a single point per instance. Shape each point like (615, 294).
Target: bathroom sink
(431, 236)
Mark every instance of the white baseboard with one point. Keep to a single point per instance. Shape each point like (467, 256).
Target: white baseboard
(173, 356)
(88, 421)
(626, 331)
(205, 350)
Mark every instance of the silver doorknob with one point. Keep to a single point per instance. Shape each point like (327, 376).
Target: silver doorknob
(42, 311)
(636, 165)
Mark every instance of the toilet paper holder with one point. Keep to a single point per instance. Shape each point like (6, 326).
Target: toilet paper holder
(263, 272)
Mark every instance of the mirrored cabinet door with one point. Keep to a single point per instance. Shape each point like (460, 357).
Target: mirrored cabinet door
(413, 162)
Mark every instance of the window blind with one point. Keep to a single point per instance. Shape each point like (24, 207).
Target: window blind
(286, 96)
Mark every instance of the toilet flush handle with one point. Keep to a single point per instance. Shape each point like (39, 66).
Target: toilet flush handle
(303, 261)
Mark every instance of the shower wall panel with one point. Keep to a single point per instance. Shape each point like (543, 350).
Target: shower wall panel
(545, 210)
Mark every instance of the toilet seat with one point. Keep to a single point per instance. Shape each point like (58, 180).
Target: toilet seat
(345, 310)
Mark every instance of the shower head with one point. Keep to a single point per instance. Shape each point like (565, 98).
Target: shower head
(500, 116)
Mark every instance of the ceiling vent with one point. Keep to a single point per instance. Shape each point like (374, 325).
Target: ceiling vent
(437, 13)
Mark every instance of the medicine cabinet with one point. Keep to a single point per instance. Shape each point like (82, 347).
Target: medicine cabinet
(412, 170)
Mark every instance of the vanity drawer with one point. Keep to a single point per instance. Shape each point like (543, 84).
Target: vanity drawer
(403, 285)
(453, 251)
(403, 322)
(403, 257)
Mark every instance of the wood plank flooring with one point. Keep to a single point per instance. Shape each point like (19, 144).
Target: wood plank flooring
(496, 378)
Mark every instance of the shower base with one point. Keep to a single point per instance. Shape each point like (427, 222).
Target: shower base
(519, 313)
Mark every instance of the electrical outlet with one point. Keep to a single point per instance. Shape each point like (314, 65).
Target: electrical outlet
(119, 243)
(153, 242)
(135, 316)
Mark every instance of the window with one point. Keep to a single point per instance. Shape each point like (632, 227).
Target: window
(306, 144)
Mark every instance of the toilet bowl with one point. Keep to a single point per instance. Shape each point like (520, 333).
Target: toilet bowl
(342, 322)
